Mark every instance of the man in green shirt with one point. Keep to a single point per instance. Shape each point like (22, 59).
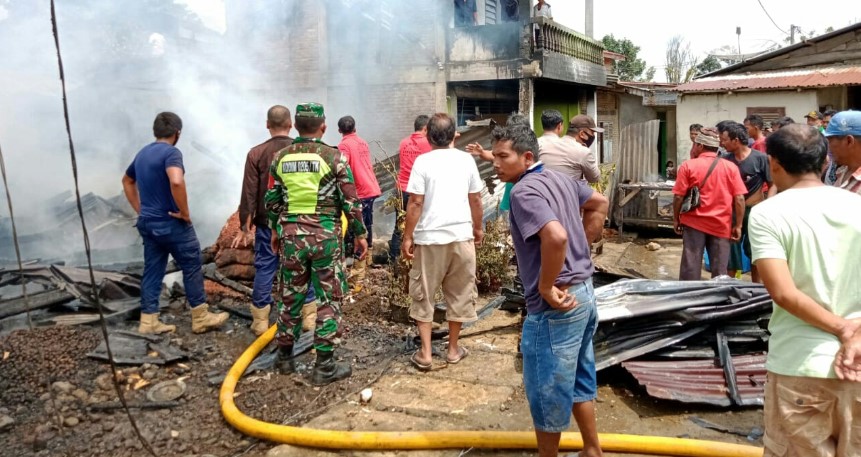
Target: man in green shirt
(313, 187)
(804, 243)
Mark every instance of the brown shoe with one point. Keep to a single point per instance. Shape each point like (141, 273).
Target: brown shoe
(203, 321)
(261, 319)
(150, 325)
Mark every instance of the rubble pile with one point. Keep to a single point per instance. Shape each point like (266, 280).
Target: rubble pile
(28, 366)
(693, 341)
(236, 264)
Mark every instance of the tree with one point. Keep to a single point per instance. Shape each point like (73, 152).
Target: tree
(708, 65)
(632, 68)
(650, 75)
(681, 63)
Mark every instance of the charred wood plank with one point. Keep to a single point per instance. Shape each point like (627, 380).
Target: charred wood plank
(36, 301)
(210, 272)
(112, 406)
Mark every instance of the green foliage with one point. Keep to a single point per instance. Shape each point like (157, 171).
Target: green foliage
(492, 256)
(710, 64)
(632, 68)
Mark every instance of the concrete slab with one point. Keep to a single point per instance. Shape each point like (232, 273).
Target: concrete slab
(451, 397)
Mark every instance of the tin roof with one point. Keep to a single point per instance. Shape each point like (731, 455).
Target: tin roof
(791, 79)
(702, 381)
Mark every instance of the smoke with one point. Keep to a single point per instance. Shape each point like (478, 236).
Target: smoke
(127, 61)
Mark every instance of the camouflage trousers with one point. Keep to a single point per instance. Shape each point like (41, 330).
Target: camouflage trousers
(307, 258)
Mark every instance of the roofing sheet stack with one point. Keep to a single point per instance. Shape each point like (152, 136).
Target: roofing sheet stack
(684, 339)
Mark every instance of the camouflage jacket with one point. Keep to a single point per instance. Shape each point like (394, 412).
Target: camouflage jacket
(313, 186)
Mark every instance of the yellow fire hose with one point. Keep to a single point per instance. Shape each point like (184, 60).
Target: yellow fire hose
(336, 439)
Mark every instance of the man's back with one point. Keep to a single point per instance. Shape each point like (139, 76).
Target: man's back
(255, 182)
(714, 214)
(358, 156)
(411, 147)
(310, 179)
(445, 177)
(149, 170)
(817, 231)
(569, 157)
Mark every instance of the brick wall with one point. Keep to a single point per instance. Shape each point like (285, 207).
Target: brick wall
(608, 113)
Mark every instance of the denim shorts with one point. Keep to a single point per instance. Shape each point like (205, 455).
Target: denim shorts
(558, 360)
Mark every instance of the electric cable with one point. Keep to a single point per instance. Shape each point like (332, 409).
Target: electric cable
(93, 287)
(769, 17)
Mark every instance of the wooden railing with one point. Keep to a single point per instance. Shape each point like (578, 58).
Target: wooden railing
(551, 36)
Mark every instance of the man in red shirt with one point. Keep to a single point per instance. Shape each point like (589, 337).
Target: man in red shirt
(411, 147)
(710, 225)
(358, 156)
(755, 127)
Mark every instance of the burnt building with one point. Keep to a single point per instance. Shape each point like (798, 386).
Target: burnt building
(384, 63)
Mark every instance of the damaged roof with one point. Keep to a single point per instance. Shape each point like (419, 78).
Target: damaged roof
(776, 80)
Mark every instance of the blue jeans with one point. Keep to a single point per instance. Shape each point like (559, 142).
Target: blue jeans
(266, 264)
(265, 267)
(163, 237)
(558, 360)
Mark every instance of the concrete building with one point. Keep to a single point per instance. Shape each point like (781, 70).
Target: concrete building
(384, 63)
(821, 73)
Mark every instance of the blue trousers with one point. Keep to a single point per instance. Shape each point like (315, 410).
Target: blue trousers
(163, 237)
(266, 263)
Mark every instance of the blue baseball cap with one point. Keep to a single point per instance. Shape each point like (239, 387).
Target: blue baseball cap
(844, 123)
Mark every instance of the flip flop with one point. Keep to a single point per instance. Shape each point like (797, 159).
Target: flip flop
(418, 364)
(462, 355)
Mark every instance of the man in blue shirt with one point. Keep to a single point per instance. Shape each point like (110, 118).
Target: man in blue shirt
(552, 244)
(154, 185)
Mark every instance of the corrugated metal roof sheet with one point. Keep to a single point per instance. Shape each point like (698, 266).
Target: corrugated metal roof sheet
(818, 77)
(702, 381)
(639, 155)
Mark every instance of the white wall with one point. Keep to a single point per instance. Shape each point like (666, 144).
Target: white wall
(709, 109)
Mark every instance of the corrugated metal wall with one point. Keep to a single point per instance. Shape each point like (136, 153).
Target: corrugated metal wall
(638, 152)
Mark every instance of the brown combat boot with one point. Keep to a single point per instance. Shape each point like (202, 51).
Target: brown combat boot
(150, 325)
(261, 319)
(203, 321)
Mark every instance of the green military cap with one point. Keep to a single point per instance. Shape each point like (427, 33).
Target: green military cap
(309, 110)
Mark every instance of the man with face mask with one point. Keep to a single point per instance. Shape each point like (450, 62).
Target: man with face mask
(582, 132)
(154, 185)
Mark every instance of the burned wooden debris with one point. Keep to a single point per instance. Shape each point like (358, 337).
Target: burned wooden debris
(130, 348)
(61, 295)
(692, 341)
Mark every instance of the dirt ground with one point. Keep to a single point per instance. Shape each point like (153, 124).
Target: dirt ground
(484, 392)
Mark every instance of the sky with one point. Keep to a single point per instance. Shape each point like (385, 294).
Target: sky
(706, 25)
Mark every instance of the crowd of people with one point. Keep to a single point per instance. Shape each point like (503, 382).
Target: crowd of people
(787, 196)
(748, 189)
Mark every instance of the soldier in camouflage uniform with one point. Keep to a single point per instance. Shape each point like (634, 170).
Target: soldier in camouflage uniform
(313, 187)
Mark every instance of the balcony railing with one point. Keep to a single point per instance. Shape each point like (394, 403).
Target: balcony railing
(551, 36)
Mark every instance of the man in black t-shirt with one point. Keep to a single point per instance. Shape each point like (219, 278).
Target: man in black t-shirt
(755, 172)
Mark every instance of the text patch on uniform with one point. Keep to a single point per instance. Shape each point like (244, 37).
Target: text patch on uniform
(300, 166)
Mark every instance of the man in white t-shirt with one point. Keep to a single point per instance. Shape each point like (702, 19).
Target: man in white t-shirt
(443, 225)
(805, 244)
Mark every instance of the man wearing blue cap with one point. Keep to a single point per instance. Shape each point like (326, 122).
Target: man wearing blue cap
(844, 138)
(803, 245)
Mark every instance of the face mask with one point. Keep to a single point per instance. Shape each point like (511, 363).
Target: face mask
(588, 141)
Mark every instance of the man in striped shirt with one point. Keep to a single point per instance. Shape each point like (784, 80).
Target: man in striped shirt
(844, 138)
